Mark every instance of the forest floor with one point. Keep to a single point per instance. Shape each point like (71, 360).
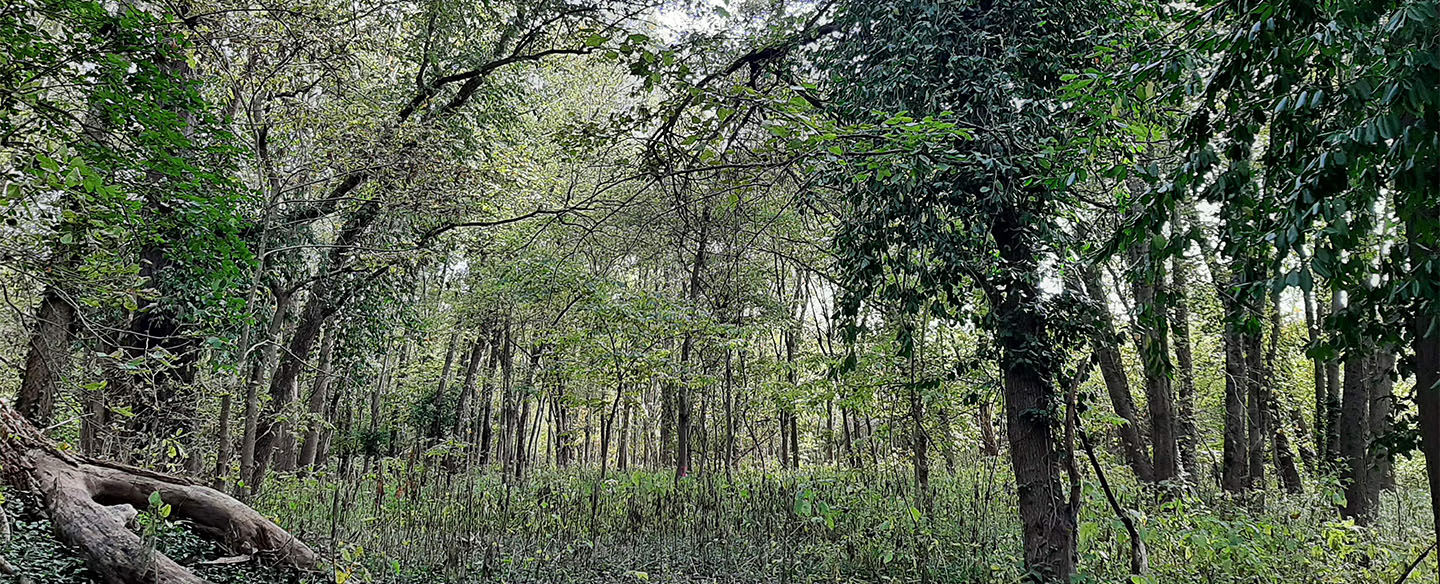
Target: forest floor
(814, 526)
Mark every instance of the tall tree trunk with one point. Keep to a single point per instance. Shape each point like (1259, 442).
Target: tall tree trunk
(500, 344)
(729, 384)
(1117, 383)
(1322, 396)
(1354, 421)
(507, 405)
(788, 424)
(327, 295)
(283, 302)
(1382, 402)
(1236, 449)
(269, 432)
(1332, 393)
(687, 346)
(1285, 466)
(437, 403)
(472, 369)
(1047, 521)
(315, 406)
(1189, 437)
(1422, 232)
(1256, 412)
(1148, 287)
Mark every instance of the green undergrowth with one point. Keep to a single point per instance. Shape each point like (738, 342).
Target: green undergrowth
(411, 524)
(818, 526)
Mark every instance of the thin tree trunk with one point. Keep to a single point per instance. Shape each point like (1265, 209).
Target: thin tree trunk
(1285, 466)
(472, 369)
(1189, 437)
(315, 406)
(437, 404)
(283, 302)
(1112, 371)
(682, 395)
(1332, 392)
(1322, 394)
(499, 345)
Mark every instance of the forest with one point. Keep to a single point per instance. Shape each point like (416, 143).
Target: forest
(719, 291)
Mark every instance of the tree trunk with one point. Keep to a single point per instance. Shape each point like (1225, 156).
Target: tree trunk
(1382, 401)
(1285, 466)
(472, 369)
(1148, 288)
(327, 295)
(1117, 384)
(269, 431)
(1354, 421)
(258, 368)
(1322, 395)
(47, 358)
(1047, 521)
(1422, 232)
(499, 344)
(682, 394)
(90, 503)
(1189, 437)
(1332, 403)
(1235, 464)
(1258, 428)
(437, 403)
(315, 406)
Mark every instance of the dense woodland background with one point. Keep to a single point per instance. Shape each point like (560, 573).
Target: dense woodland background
(766, 290)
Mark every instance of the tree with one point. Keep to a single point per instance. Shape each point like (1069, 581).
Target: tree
(954, 197)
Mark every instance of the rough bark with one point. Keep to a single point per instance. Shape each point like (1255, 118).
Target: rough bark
(1257, 390)
(1382, 402)
(1236, 449)
(1422, 232)
(47, 358)
(90, 502)
(1047, 522)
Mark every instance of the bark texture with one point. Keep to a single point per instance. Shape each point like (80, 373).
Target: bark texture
(90, 503)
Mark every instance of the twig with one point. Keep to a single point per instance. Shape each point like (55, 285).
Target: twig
(1411, 567)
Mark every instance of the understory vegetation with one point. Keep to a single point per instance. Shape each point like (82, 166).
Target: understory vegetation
(818, 526)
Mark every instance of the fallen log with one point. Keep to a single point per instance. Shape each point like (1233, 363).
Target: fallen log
(91, 502)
